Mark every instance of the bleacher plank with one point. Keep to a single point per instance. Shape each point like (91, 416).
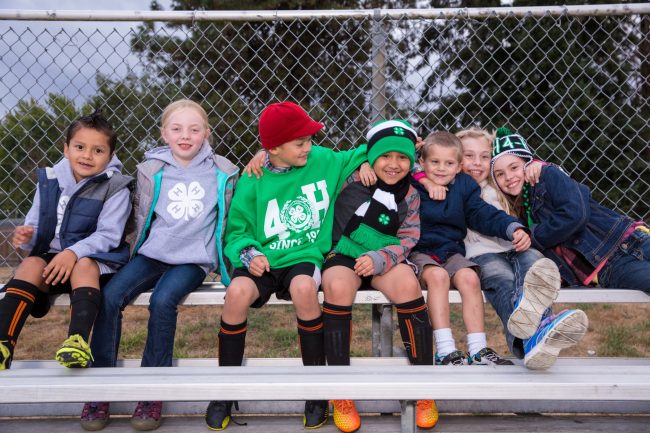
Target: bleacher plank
(214, 294)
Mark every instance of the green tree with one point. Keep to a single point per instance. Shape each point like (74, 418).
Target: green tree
(235, 69)
(565, 83)
(31, 136)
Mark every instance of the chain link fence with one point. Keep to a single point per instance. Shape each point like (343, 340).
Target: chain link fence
(576, 85)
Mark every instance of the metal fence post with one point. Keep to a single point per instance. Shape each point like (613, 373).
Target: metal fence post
(378, 102)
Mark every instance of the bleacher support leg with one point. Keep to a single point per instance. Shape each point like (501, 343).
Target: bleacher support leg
(408, 416)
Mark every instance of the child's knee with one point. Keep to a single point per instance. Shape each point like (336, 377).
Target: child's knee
(241, 294)
(467, 279)
(31, 270)
(303, 288)
(85, 266)
(435, 277)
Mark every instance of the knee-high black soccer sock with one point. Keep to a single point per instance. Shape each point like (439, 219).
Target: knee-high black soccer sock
(232, 341)
(415, 330)
(84, 305)
(310, 340)
(14, 309)
(338, 333)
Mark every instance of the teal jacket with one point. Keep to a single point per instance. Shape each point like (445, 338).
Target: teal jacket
(149, 179)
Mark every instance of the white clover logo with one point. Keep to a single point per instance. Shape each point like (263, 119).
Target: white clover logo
(185, 200)
(298, 214)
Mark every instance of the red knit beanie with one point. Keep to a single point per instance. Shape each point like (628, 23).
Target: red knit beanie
(285, 121)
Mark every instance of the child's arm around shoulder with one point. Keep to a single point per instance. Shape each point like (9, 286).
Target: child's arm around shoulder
(482, 216)
(569, 203)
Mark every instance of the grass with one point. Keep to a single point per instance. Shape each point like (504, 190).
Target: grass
(614, 330)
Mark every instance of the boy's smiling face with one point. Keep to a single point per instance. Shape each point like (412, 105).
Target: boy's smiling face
(440, 164)
(391, 167)
(294, 153)
(88, 152)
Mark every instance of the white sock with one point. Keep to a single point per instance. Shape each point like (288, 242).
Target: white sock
(445, 343)
(475, 342)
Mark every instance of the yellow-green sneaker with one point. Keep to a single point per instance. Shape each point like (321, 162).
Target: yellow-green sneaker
(74, 352)
(5, 355)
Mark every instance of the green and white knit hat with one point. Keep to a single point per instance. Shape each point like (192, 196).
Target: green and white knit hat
(507, 143)
(391, 136)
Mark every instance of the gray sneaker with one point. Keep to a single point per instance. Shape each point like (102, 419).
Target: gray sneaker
(540, 289)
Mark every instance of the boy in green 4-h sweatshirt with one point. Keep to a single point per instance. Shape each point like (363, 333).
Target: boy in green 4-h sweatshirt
(279, 228)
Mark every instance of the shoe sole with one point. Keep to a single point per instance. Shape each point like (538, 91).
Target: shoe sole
(145, 425)
(72, 358)
(541, 288)
(566, 333)
(224, 424)
(94, 425)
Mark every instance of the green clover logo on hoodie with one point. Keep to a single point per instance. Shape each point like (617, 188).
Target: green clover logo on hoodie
(384, 219)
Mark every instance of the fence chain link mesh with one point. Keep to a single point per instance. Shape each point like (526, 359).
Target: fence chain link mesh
(577, 87)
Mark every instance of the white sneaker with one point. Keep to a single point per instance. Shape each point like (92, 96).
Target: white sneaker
(540, 289)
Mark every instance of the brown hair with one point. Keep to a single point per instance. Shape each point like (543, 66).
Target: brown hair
(443, 139)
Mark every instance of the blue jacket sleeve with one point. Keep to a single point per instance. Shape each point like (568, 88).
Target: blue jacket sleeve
(568, 202)
(485, 218)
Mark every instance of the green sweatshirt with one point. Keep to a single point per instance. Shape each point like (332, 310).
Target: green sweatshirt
(287, 216)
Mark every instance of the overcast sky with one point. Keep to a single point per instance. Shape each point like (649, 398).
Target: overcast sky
(81, 4)
(37, 56)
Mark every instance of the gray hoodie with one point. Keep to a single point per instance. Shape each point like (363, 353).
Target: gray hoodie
(110, 225)
(185, 214)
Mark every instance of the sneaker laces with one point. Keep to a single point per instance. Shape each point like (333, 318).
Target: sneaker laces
(489, 355)
(344, 406)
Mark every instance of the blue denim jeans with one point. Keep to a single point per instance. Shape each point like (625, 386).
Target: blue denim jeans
(502, 279)
(629, 266)
(170, 284)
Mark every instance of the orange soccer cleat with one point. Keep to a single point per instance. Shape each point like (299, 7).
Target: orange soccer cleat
(345, 416)
(426, 414)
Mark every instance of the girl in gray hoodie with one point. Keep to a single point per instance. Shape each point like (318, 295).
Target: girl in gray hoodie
(182, 198)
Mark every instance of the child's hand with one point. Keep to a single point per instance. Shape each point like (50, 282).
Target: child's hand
(255, 165)
(364, 266)
(22, 235)
(419, 142)
(532, 172)
(367, 174)
(60, 268)
(436, 192)
(520, 240)
(259, 265)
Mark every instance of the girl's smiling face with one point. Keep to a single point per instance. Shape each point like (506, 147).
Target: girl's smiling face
(477, 154)
(509, 174)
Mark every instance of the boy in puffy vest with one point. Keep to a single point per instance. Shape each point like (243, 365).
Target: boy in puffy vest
(74, 235)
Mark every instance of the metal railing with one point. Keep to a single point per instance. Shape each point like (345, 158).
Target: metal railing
(574, 80)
